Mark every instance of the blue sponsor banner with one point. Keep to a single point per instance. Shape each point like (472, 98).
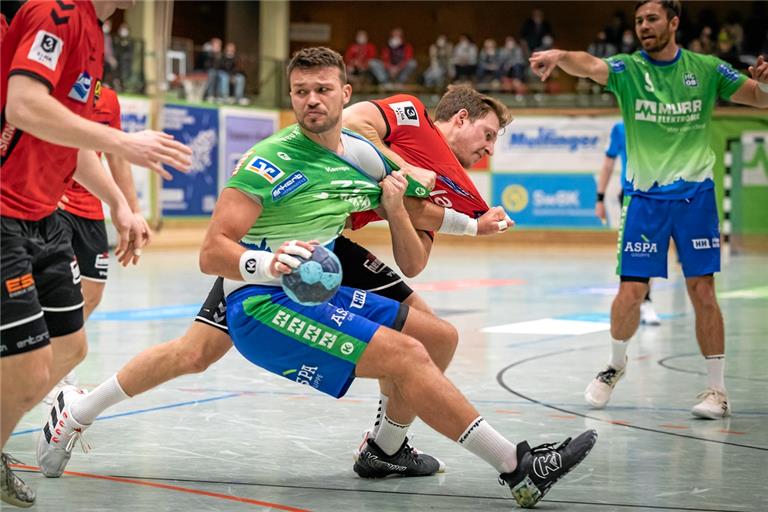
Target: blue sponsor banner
(547, 200)
(193, 194)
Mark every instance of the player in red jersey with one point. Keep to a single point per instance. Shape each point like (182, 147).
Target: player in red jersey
(83, 220)
(51, 63)
(207, 339)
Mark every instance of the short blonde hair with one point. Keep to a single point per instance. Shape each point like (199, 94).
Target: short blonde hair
(478, 105)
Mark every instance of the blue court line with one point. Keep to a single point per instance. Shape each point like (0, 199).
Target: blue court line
(150, 409)
(145, 314)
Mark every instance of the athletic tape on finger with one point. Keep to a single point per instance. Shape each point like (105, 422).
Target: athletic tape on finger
(289, 260)
(503, 225)
(297, 250)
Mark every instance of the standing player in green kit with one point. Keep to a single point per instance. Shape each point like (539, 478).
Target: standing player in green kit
(666, 95)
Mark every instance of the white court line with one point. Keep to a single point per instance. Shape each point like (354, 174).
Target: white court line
(550, 326)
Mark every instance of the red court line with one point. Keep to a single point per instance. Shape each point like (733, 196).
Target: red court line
(507, 411)
(562, 416)
(173, 488)
(735, 432)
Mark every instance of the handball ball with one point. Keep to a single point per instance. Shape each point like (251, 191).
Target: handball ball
(316, 280)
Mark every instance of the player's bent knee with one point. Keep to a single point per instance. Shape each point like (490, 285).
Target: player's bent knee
(29, 377)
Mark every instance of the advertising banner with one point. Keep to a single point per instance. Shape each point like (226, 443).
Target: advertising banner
(193, 194)
(241, 129)
(547, 200)
(552, 144)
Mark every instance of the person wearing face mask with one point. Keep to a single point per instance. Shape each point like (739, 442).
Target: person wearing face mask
(512, 60)
(627, 42)
(489, 66)
(440, 70)
(600, 47)
(358, 56)
(465, 58)
(396, 64)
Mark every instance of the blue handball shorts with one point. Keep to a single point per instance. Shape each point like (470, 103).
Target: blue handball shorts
(314, 345)
(647, 225)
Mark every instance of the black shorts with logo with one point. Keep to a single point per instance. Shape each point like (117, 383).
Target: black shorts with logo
(362, 269)
(41, 295)
(90, 243)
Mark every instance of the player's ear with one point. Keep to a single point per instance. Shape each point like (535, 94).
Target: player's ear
(347, 90)
(461, 116)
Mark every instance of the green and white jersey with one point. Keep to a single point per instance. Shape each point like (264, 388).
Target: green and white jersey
(667, 109)
(306, 191)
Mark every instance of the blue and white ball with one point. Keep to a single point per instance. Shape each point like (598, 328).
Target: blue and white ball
(316, 280)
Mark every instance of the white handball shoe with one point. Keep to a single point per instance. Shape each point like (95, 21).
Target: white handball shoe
(648, 315)
(60, 433)
(599, 390)
(714, 405)
(69, 379)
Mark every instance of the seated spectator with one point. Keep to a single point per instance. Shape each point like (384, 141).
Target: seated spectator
(513, 63)
(231, 77)
(465, 58)
(122, 48)
(358, 56)
(600, 47)
(440, 70)
(735, 29)
(212, 65)
(726, 50)
(628, 42)
(705, 40)
(397, 63)
(489, 65)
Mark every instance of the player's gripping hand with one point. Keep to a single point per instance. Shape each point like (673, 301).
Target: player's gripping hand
(133, 234)
(284, 261)
(392, 191)
(152, 149)
(424, 176)
(542, 63)
(759, 71)
(493, 222)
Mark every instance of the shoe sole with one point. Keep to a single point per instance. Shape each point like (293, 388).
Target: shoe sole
(594, 404)
(529, 500)
(710, 417)
(17, 503)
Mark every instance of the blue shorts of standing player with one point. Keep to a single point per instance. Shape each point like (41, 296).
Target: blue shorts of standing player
(647, 224)
(314, 345)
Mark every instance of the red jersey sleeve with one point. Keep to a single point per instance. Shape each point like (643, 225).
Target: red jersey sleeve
(48, 34)
(111, 106)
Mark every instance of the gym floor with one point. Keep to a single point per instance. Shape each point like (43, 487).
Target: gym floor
(534, 331)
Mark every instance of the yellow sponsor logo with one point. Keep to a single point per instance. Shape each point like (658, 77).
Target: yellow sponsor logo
(515, 198)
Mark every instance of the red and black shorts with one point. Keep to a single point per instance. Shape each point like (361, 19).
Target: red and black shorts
(41, 295)
(90, 243)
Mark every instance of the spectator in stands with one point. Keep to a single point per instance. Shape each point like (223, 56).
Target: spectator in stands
(600, 47)
(231, 77)
(726, 50)
(123, 52)
(212, 64)
(397, 63)
(440, 70)
(489, 66)
(110, 62)
(614, 31)
(358, 56)
(735, 30)
(705, 40)
(513, 66)
(465, 59)
(533, 31)
(627, 42)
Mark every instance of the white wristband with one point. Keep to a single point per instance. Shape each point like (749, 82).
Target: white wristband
(455, 223)
(763, 87)
(254, 267)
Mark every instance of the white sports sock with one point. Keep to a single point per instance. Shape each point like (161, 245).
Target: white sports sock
(716, 372)
(107, 394)
(482, 439)
(383, 399)
(618, 358)
(391, 435)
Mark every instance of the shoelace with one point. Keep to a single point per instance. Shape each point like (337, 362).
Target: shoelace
(708, 392)
(78, 436)
(607, 376)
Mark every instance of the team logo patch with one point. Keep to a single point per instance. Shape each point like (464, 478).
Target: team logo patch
(405, 113)
(46, 49)
(288, 186)
(19, 285)
(97, 92)
(728, 72)
(265, 169)
(617, 66)
(689, 80)
(81, 88)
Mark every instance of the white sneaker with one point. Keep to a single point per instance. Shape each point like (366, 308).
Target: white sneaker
(714, 405)
(648, 315)
(599, 390)
(69, 379)
(60, 433)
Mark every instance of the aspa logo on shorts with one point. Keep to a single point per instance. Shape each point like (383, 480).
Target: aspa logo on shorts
(46, 49)
(406, 113)
(642, 249)
(81, 88)
(265, 169)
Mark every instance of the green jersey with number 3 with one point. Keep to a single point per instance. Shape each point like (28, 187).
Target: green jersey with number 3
(667, 109)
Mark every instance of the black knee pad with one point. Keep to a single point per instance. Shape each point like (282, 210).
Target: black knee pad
(635, 279)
